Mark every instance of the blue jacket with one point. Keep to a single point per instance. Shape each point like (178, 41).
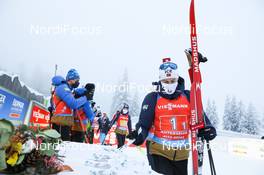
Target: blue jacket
(64, 92)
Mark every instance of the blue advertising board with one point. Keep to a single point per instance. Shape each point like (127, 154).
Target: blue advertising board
(12, 107)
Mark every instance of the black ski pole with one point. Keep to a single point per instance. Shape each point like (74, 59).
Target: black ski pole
(211, 160)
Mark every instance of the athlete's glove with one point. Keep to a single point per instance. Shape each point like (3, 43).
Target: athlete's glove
(132, 135)
(139, 140)
(140, 135)
(207, 133)
(201, 58)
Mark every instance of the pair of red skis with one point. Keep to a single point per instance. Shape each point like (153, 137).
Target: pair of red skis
(197, 118)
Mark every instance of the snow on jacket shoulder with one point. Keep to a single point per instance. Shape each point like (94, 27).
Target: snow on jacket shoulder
(64, 92)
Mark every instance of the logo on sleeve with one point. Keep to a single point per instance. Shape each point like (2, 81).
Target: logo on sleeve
(67, 89)
(145, 107)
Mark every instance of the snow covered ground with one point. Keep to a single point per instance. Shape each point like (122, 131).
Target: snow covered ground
(231, 156)
(236, 156)
(105, 160)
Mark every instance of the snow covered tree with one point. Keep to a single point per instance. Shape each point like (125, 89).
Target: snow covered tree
(135, 107)
(241, 115)
(231, 115)
(121, 94)
(227, 114)
(261, 127)
(211, 112)
(250, 122)
(234, 117)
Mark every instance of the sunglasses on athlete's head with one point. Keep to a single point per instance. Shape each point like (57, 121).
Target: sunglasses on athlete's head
(167, 65)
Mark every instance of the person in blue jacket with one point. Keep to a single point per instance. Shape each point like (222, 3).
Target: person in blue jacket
(64, 104)
(78, 132)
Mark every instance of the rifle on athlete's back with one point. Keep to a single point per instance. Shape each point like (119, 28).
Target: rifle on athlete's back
(114, 119)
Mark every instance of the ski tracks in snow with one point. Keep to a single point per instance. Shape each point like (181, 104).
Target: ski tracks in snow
(104, 160)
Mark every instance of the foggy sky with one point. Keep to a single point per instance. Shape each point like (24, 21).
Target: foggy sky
(135, 35)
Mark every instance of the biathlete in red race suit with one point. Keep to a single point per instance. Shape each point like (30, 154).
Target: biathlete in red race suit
(123, 125)
(164, 122)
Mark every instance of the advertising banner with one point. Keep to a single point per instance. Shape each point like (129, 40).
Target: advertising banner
(39, 116)
(12, 107)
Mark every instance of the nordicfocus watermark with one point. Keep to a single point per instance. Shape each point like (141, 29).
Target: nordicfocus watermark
(200, 145)
(211, 30)
(240, 147)
(167, 145)
(65, 29)
(59, 146)
(124, 87)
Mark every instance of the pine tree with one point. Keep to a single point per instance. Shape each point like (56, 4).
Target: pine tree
(227, 114)
(241, 116)
(250, 124)
(121, 94)
(211, 112)
(261, 128)
(234, 118)
(135, 107)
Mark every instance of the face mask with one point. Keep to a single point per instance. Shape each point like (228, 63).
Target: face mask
(125, 111)
(169, 88)
(76, 84)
